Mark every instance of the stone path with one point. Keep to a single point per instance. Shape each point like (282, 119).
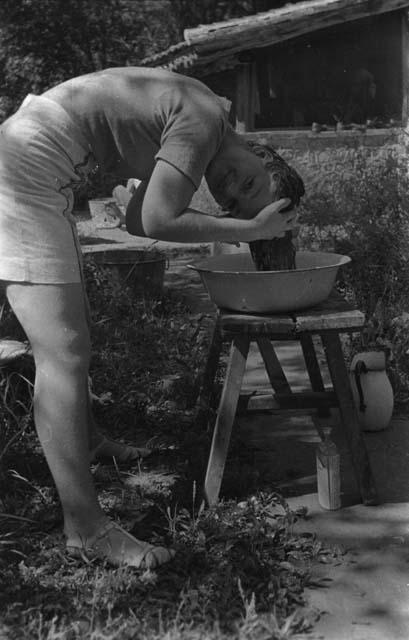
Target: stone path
(366, 595)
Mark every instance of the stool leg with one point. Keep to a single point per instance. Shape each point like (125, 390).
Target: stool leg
(313, 369)
(204, 402)
(273, 367)
(225, 417)
(311, 362)
(355, 440)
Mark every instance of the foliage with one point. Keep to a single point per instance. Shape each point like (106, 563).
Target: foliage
(16, 388)
(190, 13)
(366, 215)
(239, 572)
(142, 339)
(44, 42)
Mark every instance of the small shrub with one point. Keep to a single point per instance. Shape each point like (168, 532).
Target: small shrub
(139, 344)
(367, 217)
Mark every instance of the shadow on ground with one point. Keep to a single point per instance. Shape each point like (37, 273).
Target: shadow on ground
(365, 595)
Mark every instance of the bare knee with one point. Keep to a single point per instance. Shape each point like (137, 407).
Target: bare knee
(54, 319)
(70, 350)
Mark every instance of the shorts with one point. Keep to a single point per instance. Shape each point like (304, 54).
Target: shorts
(44, 157)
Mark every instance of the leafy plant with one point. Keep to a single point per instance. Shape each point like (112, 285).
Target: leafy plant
(365, 215)
(239, 573)
(190, 13)
(44, 42)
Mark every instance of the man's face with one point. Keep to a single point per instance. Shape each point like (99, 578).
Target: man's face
(242, 186)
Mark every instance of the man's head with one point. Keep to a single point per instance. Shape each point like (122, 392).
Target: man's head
(244, 177)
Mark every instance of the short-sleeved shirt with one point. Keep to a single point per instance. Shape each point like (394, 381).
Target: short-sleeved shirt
(132, 116)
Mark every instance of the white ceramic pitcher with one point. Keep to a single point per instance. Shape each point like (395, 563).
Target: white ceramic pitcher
(372, 390)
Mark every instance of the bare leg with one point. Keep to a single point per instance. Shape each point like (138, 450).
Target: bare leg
(54, 319)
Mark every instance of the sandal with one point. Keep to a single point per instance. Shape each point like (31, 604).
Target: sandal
(117, 547)
(124, 452)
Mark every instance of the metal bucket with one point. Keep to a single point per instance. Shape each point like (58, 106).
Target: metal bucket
(142, 270)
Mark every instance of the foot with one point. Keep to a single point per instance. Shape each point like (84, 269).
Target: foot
(108, 449)
(119, 548)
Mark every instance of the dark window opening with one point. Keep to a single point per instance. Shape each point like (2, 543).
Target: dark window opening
(351, 73)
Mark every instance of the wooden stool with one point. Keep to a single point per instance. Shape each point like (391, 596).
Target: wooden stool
(328, 321)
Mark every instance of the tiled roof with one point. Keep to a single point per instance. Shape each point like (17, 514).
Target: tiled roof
(183, 58)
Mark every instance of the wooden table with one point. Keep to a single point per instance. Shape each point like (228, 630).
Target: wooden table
(328, 320)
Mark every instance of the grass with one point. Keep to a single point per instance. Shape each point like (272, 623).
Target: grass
(240, 569)
(239, 572)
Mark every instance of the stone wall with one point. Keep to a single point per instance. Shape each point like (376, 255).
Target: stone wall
(320, 157)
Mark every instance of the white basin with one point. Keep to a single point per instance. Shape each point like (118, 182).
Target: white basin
(233, 282)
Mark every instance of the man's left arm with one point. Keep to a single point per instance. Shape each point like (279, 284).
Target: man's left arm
(134, 211)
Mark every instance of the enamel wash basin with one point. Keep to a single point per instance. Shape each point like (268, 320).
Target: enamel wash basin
(233, 282)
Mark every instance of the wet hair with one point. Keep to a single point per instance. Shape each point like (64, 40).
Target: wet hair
(277, 253)
(289, 183)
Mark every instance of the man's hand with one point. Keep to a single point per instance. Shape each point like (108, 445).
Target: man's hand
(272, 222)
